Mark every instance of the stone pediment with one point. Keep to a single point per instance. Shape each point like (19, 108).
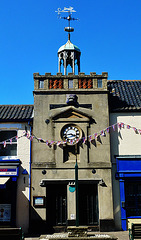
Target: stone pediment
(70, 114)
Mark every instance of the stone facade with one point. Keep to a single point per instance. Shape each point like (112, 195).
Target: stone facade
(60, 102)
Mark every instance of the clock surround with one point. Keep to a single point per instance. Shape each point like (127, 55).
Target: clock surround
(71, 133)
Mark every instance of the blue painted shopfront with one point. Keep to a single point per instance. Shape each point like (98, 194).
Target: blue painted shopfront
(129, 176)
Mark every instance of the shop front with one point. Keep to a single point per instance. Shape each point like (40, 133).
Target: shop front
(9, 171)
(129, 176)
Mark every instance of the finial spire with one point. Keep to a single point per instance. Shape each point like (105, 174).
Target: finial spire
(68, 54)
(69, 10)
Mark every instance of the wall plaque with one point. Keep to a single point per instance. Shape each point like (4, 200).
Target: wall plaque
(39, 201)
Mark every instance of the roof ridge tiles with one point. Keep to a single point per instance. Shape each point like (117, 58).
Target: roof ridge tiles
(125, 95)
(124, 80)
(16, 112)
(16, 105)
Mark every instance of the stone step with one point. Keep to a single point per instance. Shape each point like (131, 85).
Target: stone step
(65, 237)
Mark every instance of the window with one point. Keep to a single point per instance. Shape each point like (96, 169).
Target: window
(41, 84)
(10, 148)
(70, 83)
(99, 83)
(133, 198)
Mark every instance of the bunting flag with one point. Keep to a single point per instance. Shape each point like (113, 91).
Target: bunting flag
(90, 138)
(51, 143)
(95, 135)
(84, 139)
(102, 133)
(134, 129)
(4, 144)
(71, 142)
(27, 134)
(122, 125)
(31, 138)
(77, 140)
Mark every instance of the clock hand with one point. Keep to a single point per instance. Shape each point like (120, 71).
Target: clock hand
(70, 134)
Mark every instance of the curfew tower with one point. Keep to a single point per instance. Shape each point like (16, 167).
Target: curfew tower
(71, 166)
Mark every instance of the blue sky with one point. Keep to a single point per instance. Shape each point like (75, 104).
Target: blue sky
(108, 35)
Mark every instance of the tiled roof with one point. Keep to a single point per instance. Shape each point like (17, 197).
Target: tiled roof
(125, 95)
(16, 113)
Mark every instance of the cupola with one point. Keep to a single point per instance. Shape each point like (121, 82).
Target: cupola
(69, 54)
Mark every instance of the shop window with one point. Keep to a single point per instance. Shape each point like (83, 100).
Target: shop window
(8, 143)
(133, 198)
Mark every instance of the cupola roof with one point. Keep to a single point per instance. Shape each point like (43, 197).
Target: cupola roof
(68, 46)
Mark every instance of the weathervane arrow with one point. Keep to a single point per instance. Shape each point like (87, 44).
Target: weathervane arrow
(70, 9)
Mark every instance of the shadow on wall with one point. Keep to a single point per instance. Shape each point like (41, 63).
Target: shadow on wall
(27, 217)
(22, 205)
(37, 225)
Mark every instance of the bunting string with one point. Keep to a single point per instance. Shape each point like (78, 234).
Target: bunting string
(89, 138)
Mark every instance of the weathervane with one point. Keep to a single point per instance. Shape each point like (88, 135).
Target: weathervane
(69, 10)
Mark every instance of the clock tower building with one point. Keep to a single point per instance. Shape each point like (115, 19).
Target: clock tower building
(71, 166)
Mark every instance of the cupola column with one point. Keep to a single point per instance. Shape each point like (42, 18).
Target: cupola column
(59, 63)
(73, 62)
(65, 62)
(78, 63)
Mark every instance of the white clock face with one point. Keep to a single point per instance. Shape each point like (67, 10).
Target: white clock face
(71, 133)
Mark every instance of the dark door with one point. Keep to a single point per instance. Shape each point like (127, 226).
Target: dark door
(8, 203)
(56, 204)
(133, 199)
(88, 204)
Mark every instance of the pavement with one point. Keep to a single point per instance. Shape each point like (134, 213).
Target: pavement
(121, 235)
